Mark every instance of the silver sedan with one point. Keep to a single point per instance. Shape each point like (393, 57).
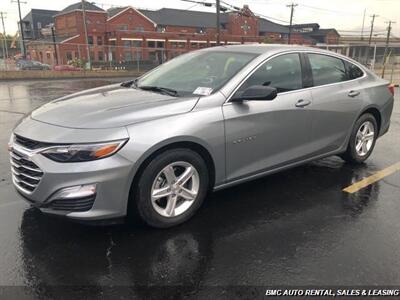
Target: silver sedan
(155, 146)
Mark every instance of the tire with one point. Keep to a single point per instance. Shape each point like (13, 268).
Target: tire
(160, 175)
(353, 155)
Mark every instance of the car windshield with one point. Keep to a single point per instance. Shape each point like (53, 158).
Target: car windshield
(197, 73)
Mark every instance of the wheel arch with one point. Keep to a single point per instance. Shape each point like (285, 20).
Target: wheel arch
(187, 143)
(373, 110)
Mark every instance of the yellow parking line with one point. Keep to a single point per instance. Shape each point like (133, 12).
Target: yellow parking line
(373, 178)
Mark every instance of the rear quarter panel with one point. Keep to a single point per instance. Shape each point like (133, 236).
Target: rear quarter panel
(377, 95)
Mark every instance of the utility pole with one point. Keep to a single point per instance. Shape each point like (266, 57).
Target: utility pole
(372, 28)
(218, 5)
(86, 35)
(292, 6)
(362, 28)
(5, 48)
(54, 43)
(370, 38)
(389, 29)
(21, 30)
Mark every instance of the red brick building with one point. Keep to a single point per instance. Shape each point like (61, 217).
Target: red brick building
(127, 35)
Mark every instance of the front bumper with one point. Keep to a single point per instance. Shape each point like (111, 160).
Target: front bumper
(112, 177)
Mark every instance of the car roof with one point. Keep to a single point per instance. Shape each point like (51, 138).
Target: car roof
(270, 49)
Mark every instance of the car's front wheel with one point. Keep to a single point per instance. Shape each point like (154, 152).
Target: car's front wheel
(171, 188)
(362, 139)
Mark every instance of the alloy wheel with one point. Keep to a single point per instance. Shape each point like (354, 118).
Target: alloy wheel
(365, 138)
(175, 189)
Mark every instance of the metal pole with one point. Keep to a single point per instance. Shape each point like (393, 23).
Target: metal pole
(292, 6)
(21, 30)
(370, 37)
(373, 59)
(386, 46)
(86, 35)
(5, 48)
(54, 43)
(218, 6)
(372, 28)
(362, 28)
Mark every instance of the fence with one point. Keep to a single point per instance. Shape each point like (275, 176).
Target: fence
(132, 57)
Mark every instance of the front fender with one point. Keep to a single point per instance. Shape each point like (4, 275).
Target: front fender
(204, 128)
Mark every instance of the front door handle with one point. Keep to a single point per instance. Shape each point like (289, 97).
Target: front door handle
(353, 93)
(303, 103)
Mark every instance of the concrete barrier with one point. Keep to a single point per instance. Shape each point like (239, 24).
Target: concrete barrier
(50, 74)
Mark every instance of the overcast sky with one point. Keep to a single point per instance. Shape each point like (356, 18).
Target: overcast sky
(344, 15)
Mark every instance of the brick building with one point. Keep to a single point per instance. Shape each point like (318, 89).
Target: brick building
(127, 35)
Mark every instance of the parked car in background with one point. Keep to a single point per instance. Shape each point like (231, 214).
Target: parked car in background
(67, 68)
(206, 120)
(31, 65)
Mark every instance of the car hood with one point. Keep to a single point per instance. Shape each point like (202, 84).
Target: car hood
(111, 106)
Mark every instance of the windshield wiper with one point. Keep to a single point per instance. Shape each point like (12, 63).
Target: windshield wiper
(159, 89)
(130, 83)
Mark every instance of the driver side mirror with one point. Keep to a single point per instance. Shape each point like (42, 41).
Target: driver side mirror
(256, 92)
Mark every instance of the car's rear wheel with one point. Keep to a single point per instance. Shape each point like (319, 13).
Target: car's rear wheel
(171, 188)
(362, 139)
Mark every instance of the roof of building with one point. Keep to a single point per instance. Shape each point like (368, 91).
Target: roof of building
(78, 6)
(323, 31)
(40, 14)
(191, 18)
(269, 26)
(305, 25)
(179, 17)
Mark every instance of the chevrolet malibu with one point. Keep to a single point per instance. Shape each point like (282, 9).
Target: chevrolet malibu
(153, 147)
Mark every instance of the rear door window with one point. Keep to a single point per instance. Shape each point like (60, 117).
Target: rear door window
(353, 72)
(327, 69)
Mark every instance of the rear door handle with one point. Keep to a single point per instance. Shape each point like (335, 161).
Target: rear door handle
(303, 103)
(353, 93)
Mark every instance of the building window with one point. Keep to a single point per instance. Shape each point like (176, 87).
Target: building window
(139, 28)
(177, 44)
(100, 55)
(91, 53)
(152, 56)
(151, 44)
(137, 44)
(90, 40)
(69, 55)
(39, 25)
(48, 55)
(127, 44)
(122, 27)
(112, 43)
(127, 56)
(160, 44)
(99, 40)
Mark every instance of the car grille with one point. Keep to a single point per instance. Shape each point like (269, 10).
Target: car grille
(26, 174)
(80, 204)
(30, 144)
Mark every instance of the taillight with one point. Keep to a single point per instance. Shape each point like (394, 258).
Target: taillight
(391, 89)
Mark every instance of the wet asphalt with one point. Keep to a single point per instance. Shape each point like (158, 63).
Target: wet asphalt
(294, 228)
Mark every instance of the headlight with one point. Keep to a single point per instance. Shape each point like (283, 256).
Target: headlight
(83, 152)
